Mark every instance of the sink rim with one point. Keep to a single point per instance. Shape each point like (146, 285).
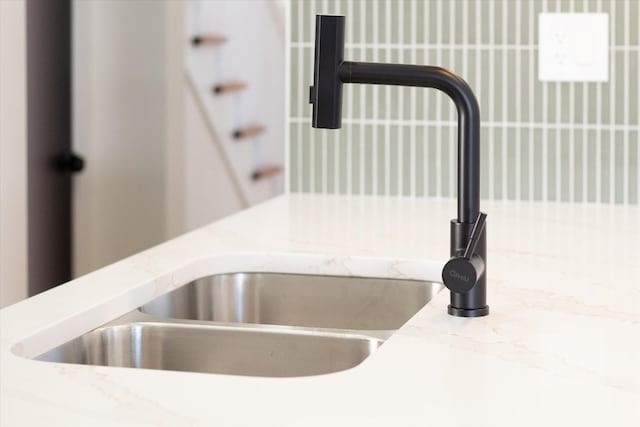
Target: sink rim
(430, 287)
(138, 316)
(133, 320)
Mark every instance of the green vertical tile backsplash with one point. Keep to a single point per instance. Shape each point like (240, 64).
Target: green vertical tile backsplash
(557, 141)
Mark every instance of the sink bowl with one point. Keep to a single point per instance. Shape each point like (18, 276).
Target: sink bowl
(255, 351)
(257, 324)
(297, 300)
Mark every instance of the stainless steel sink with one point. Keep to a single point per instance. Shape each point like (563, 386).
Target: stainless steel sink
(297, 300)
(255, 351)
(257, 324)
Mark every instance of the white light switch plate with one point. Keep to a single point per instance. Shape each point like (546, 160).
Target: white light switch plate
(573, 47)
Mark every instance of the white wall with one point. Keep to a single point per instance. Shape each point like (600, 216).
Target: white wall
(120, 128)
(175, 118)
(13, 152)
(209, 192)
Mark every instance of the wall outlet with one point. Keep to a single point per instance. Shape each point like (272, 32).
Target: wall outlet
(573, 47)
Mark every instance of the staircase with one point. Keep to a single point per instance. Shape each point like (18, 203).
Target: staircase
(235, 77)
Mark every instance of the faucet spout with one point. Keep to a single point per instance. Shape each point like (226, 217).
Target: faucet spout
(331, 71)
(468, 117)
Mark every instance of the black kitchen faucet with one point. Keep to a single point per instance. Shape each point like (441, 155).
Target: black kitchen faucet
(465, 274)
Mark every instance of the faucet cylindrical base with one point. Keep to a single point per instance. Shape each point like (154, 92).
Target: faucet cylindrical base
(474, 302)
(474, 312)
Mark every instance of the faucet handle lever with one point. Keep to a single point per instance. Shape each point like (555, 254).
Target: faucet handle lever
(461, 273)
(474, 237)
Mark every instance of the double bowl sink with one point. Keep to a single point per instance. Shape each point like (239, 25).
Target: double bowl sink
(257, 324)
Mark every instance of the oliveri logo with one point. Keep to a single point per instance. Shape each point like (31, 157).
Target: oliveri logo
(458, 276)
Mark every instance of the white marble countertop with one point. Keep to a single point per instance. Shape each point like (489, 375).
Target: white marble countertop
(560, 347)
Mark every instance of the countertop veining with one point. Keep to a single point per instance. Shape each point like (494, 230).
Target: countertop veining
(560, 347)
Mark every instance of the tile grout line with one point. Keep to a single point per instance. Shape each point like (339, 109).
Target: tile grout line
(325, 164)
(612, 105)
(518, 83)
(439, 104)
(531, 100)
(312, 139)
(363, 53)
(446, 46)
(486, 124)
(400, 142)
(599, 121)
(287, 101)
(323, 140)
(625, 167)
(585, 134)
(350, 102)
(426, 12)
(505, 73)
(387, 129)
(545, 135)
(558, 164)
(478, 71)
(572, 149)
(557, 139)
(299, 107)
(452, 146)
(491, 98)
(336, 140)
(376, 94)
(412, 153)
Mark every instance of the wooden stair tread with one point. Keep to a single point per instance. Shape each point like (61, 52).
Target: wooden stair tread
(265, 172)
(229, 87)
(208, 39)
(248, 131)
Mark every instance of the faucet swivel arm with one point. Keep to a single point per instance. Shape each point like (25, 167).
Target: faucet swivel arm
(331, 72)
(468, 117)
